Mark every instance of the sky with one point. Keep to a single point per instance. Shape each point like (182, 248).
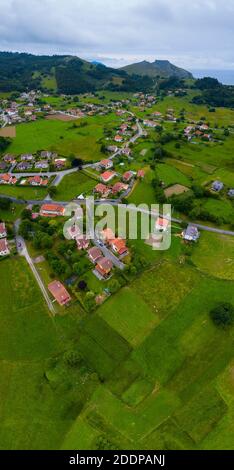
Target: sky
(197, 34)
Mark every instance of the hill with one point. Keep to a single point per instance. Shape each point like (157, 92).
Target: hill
(158, 68)
(63, 74)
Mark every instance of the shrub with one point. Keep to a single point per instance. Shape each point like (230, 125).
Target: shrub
(223, 315)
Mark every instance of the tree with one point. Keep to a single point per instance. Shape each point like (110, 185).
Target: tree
(4, 142)
(5, 203)
(114, 286)
(72, 358)
(26, 214)
(82, 285)
(89, 300)
(223, 315)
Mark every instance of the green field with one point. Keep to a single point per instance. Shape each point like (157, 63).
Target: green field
(73, 185)
(148, 369)
(170, 175)
(64, 137)
(21, 192)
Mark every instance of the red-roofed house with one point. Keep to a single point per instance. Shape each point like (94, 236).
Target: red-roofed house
(94, 254)
(118, 138)
(106, 164)
(140, 174)
(162, 224)
(51, 210)
(119, 187)
(82, 242)
(127, 176)
(35, 180)
(107, 234)
(104, 267)
(107, 176)
(4, 250)
(3, 230)
(118, 245)
(7, 179)
(59, 292)
(102, 189)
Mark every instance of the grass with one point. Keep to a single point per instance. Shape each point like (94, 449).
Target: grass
(129, 315)
(170, 175)
(73, 185)
(214, 255)
(65, 138)
(12, 214)
(163, 287)
(25, 317)
(26, 193)
(154, 372)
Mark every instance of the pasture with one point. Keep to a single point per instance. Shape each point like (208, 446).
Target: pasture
(82, 137)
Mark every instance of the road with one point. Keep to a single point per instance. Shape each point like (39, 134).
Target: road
(23, 251)
(116, 202)
(61, 173)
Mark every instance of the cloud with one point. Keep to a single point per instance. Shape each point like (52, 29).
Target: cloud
(198, 33)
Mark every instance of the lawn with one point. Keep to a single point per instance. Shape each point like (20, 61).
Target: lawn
(170, 175)
(12, 214)
(129, 315)
(81, 138)
(25, 317)
(73, 185)
(25, 193)
(214, 255)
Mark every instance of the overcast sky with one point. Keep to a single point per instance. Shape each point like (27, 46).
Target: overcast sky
(193, 34)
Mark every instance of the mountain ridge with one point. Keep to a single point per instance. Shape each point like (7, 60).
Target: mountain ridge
(158, 68)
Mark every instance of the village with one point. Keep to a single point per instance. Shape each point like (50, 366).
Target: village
(46, 168)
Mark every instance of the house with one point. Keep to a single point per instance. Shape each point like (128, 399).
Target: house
(106, 164)
(127, 176)
(191, 233)
(102, 189)
(188, 130)
(42, 164)
(60, 162)
(94, 254)
(118, 138)
(4, 250)
(45, 154)
(82, 242)
(22, 166)
(107, 176)
(107, 234)
(73, 232)
(3, 166)
(3, 230)
(141, 174)
(204, 127)
(161, 224)
(217, 186)
(112, 148)
(104, 266)
(59, 292)
(9, 158)
(51, 210)
(26, 157)
(126, 151)
(118, 246)
(35, 180)
(119, 187)
(149, 123)
(231, 193)
(7, 179)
